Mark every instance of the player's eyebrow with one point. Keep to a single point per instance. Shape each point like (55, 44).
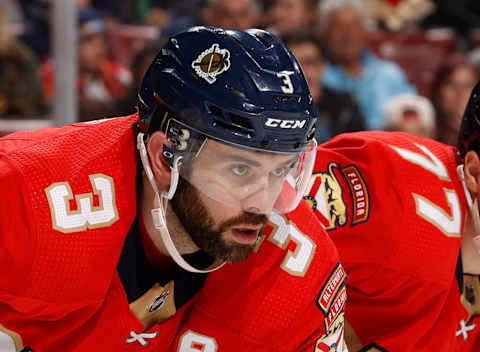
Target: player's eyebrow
(255, 163)
(241, 159)
(290, 161)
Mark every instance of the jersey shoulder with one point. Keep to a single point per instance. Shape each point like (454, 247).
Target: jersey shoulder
(74, 190)
(385, 197)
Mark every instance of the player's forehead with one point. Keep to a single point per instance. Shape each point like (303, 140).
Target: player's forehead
(221, 152)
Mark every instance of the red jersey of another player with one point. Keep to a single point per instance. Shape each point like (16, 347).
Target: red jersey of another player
(395, 208)
(69, 225)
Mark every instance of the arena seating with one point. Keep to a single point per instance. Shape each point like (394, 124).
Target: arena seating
(124, 41)
(418, 53)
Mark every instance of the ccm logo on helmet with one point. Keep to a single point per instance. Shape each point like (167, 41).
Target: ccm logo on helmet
(285, 123)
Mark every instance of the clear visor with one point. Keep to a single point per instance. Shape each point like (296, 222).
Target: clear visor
(254, 181)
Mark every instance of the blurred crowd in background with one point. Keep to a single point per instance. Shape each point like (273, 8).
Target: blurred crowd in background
(405, 65)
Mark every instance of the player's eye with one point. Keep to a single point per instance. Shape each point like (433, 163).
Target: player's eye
(280, 172)
(240, 170)
(283, 171)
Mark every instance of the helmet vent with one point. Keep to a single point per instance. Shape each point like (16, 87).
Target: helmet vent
(236, 124)
(214, 110)
(284, 98)
(236, 91)
(240, 121)
(233, 128)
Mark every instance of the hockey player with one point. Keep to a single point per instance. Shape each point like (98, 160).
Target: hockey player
(168, 229)
(403, 213)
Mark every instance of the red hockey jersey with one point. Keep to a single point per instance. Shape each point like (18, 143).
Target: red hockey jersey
(68, 203)
(395, 208)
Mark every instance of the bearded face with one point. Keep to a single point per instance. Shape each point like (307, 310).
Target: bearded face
(218, 238)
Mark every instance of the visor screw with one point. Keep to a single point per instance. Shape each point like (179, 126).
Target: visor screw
(182, 145)
(184, 134)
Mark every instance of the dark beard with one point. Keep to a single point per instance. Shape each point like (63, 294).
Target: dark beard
(199, 224)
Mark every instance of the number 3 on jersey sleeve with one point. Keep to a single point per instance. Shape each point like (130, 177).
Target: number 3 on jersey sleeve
(450, 225)
(297, 262)
(87, 215)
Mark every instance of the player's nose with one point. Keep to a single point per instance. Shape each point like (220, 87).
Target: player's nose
(260, 200)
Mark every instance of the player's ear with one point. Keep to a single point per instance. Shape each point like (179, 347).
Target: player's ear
(472, 172)
(160, 167)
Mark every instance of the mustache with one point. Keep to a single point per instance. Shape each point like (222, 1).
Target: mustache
(245, 218)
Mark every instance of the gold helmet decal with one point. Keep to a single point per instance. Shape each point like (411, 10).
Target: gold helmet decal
(328, 199)
(212, 62)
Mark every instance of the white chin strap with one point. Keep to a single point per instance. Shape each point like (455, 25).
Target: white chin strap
(472, 206)
(160, 207)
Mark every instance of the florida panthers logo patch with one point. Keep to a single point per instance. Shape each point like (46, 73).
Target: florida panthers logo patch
(326, 192)
(326, 196)
(212, 62)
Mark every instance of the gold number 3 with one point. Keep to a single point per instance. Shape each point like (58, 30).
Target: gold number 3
(296, 263)
(87, 215)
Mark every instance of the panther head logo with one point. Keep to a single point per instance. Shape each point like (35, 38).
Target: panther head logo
(329, 198)
(211, 63)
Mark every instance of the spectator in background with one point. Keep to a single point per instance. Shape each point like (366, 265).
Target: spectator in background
(399, 15)
(120, 11)
(37, 30)
(451, 89)
(12, 11)
(238, 14)
(410, 113)
(344, 28)
(36, 33)
(338, 112)
(140, 64)
(158, 17)
(21, 92)
(288, 15)
(101, 82)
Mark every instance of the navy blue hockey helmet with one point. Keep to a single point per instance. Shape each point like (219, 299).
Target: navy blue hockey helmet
(469, 136)
(243, 89)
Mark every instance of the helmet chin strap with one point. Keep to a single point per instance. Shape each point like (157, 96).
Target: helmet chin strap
(472, 206)
(160, 207)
